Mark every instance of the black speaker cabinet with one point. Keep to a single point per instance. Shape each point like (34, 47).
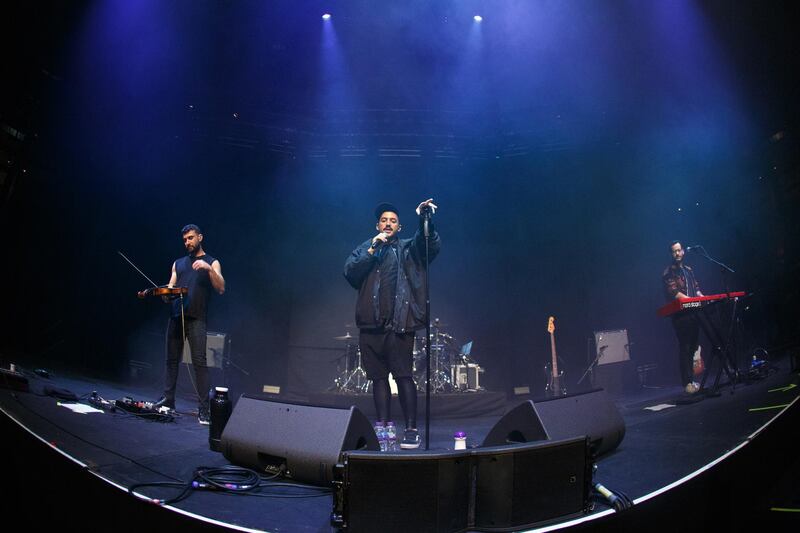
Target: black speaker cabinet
(491, 489)
(519, 425)
(409, 491)
(591, 414)
(523, 485)
(303, 442)
(615, 378)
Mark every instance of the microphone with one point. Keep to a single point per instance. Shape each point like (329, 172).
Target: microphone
(694, 247)
(376, 243)
(427, 211)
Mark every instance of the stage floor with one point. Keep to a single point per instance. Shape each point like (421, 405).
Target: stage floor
(660, 446)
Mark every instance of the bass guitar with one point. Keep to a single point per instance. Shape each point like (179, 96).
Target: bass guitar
(555, 378)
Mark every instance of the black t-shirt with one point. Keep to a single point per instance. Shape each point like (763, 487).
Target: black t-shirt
(195, 304)
(389, 265)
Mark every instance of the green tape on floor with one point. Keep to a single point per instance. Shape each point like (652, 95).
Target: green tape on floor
(768, 408)
(783, 389)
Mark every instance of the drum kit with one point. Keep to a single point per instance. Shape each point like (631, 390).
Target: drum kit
(351, 376)
(447, 360)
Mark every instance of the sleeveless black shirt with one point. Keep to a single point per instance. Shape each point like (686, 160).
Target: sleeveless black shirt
(195, 304)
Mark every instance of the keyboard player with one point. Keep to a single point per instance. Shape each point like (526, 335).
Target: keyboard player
(679, 282)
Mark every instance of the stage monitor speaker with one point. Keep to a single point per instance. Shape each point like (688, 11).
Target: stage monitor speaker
(490, 489)
(303, 442)
(521, 424)
(591, 414)
(416, 491)
(525, 485)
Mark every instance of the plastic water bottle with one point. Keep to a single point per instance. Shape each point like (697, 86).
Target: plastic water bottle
(460, 440)
(391, 437)
(220, 407)
(380, 432)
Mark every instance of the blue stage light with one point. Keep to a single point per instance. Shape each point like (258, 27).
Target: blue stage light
(326, 16)
(477, 18)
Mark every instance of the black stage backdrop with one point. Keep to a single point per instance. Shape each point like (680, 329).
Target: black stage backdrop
(554, 199)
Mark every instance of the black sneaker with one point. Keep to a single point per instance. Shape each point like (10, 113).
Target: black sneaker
(164, 402)
(203, 417)
(410, 440)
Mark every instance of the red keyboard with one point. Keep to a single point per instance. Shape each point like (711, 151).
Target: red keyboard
(682, 304)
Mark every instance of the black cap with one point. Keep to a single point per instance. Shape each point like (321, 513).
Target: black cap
(383, 207)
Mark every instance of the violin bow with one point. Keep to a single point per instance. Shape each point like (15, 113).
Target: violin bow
(137, 269)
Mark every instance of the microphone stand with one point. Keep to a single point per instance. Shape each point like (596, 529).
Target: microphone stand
(227, 362)
(426, 218)
(725, 268)
(722, 344)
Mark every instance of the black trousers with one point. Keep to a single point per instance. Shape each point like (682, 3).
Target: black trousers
(196, 336)
(687, 329)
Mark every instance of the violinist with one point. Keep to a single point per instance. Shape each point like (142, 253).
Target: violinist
(199, 274)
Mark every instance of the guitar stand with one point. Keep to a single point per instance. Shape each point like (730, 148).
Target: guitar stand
(721, 350)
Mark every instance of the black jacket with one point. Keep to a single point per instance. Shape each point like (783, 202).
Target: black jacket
(362, 271)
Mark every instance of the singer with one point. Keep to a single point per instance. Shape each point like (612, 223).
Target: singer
(679, 282)
(200, 273)
(389, 274)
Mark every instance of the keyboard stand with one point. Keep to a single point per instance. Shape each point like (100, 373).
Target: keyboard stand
(721, 349)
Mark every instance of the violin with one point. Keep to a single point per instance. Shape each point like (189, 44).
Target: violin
(163, 291)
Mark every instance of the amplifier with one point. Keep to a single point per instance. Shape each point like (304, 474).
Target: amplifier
(215, 349)
(612, 346)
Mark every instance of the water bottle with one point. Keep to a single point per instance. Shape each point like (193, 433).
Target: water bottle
(380, 432)
(220, 407)
(391, 437)
(460, 440)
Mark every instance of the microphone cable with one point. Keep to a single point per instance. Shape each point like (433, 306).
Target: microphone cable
(233, 480)
(617, 499)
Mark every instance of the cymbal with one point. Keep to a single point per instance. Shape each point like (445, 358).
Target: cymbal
(344, 337)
